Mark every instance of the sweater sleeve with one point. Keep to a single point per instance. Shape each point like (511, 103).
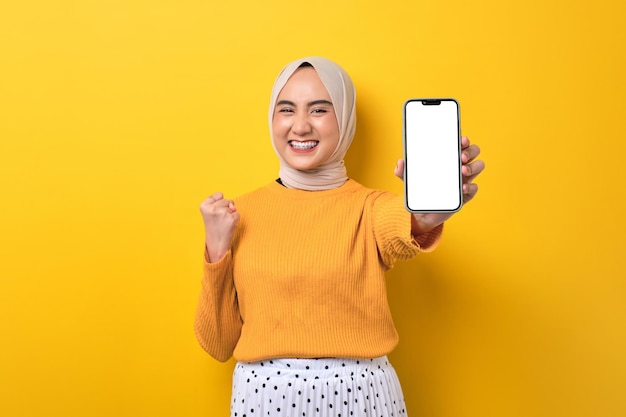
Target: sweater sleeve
(392, 230)
(218, 322)
(428, 241)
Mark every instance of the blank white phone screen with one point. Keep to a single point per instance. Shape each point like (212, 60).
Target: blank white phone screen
(432, 156)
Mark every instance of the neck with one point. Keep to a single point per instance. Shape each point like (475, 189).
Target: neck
(326, 177)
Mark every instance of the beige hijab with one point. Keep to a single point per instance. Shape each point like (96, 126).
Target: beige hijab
(332, 173)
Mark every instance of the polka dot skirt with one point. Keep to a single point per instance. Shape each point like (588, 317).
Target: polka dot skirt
(316, 388)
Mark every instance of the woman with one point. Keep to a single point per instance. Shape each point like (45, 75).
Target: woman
(293, 282)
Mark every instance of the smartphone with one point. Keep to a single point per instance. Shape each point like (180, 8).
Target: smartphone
(432, 155)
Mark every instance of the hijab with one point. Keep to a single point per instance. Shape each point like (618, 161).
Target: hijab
(332, 173)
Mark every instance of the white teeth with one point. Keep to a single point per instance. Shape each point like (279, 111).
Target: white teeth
(310, 144)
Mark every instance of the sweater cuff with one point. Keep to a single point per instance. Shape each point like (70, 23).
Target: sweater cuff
(427, 242)
(393, 230)
(211, 268)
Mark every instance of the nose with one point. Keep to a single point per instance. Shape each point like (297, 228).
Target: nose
(301, 125)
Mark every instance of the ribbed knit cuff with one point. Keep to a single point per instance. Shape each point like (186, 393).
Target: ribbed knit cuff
(216, 269)
(427, 242)
(393, 230)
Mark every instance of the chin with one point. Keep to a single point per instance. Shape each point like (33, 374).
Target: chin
(301, 163)
(303, 167)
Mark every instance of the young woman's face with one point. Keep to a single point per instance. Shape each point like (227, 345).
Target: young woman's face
(304, 125)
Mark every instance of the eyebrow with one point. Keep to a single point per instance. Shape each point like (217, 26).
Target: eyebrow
(311, 103)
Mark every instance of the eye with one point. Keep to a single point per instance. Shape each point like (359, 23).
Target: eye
(319, 111)
(285, 110)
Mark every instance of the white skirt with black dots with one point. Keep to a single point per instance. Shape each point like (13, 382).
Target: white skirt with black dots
(317, 388)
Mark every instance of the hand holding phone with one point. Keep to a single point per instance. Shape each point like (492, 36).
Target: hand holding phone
(432, 145)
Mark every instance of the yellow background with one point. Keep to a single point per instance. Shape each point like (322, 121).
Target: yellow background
(117, 118)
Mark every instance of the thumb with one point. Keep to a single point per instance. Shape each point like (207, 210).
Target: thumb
(399, 170)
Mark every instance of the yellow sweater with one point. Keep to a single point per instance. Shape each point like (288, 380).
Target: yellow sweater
(305, 275)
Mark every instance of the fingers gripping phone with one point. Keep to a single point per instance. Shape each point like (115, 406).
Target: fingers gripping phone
(432, 155)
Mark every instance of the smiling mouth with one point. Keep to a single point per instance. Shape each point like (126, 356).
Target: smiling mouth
(303, 145)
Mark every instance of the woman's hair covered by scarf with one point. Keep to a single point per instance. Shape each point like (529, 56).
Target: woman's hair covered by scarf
(332, 173)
